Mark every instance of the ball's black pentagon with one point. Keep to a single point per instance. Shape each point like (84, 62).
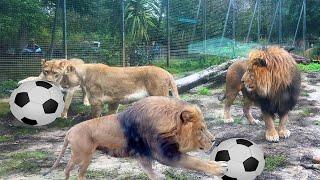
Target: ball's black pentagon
(225, 177)
(29, 121)
(21, 99)
(222, 156)
(251, 164)
(44, 84)
(244, 142)
(50, 106)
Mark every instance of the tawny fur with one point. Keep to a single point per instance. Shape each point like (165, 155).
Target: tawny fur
(233, 87)
(119, 85)
(53, 71)
(273, 77)
(167, 126)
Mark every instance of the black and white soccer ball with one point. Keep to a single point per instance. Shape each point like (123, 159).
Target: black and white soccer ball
(245, 159)
(36, 103)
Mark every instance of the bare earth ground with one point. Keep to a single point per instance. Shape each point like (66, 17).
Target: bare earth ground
(304, 140)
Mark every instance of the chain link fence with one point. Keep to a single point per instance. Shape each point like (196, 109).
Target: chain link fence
(140, 32)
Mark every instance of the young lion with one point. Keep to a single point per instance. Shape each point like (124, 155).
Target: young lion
(118, 85)
(53, 71)
(153, 129)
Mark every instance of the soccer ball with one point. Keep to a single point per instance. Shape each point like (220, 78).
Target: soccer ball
(245, 159)
(36, 103)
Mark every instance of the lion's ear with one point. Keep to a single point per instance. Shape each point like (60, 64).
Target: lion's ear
(187, 115)
(261, 62)
(43, 62)
(62, 64)
(70, 69)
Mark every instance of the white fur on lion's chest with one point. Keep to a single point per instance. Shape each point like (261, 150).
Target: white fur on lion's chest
(136, 96)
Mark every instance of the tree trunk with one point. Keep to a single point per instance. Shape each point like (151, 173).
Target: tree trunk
(213, 73)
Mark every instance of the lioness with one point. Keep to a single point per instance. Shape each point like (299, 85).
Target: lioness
(118, 85)
(273, 76)
(53, 71)
(153, 129)
(233, 87)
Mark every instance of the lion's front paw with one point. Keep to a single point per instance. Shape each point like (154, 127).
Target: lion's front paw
(254, 121)
(284, 133)
(86, 103)
(218, 168)
(272, 135)
(228, 120)
(64, 114)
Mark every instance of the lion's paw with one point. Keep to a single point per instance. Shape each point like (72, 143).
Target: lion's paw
(86, 103)
(218, 168)
(254, 122)
(284, 133)
(272, 135)
(64, 115)
(229, 120)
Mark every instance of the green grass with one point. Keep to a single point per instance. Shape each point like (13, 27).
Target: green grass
(312, 67)
(305, 112)
(5, 138)
(305, 94)
(237, 121)
(171, 174)
(4, 109)
(62, 123)
(317, 123)
(181, 66)
(275, 161)
(204, 91)
(25, 162)
(6, 86)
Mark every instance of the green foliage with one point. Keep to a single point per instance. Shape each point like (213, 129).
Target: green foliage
(204, 91)
(312, 67)
(180, 66)
(275, 161)
(6, 87)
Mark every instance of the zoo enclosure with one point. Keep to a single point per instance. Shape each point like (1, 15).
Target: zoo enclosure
(138, 32)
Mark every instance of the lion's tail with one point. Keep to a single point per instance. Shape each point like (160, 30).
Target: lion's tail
(221, 98)
(65, 145)
(174, 88)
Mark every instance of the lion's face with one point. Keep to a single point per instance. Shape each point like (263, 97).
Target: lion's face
(257, 76)
(53, 70)
(70, 78)
(194, 132)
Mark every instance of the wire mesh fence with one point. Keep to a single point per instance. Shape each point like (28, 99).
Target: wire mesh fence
(140, 32)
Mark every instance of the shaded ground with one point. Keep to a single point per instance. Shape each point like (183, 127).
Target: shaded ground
(25, 153)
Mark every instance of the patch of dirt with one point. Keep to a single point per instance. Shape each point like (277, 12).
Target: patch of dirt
(304, 140)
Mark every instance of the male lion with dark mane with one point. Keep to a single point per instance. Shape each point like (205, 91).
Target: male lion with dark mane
(153, 129)
(273, 77)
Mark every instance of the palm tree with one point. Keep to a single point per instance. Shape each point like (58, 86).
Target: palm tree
(140, 18)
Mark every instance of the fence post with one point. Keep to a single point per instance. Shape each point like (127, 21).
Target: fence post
(123, 35)
(65, 29)
(168, 34)
(304, 24)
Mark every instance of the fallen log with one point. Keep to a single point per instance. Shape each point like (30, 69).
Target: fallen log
(300, 59)
(213, 73)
